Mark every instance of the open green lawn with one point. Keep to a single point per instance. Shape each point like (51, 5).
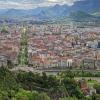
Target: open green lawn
(91, 82)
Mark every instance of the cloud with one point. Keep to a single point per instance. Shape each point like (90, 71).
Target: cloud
(68, 2)
(10, 4)
(29, 4)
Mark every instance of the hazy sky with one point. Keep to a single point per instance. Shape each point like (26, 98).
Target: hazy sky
(29, 4)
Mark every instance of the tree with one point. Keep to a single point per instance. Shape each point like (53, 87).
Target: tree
(4, 95)
(70, 98)
(23, 54)
(7, 80)
(93, 96)
(34, 96)
(22, 95)
(43, 96)
(9, 64)
(71, 85)
(97, 87)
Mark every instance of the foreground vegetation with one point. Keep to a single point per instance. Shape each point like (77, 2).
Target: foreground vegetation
(82, 73)
(30, 86)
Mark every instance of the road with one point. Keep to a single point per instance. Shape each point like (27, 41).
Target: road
(53, 72)
(48, 71)
(87, 78)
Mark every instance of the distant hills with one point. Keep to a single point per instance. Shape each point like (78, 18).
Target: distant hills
(81, 10)
(83, 16)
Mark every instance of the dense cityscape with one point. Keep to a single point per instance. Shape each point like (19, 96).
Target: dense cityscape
(51, 46)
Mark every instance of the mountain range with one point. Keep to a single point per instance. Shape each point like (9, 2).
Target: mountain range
(85, 9)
